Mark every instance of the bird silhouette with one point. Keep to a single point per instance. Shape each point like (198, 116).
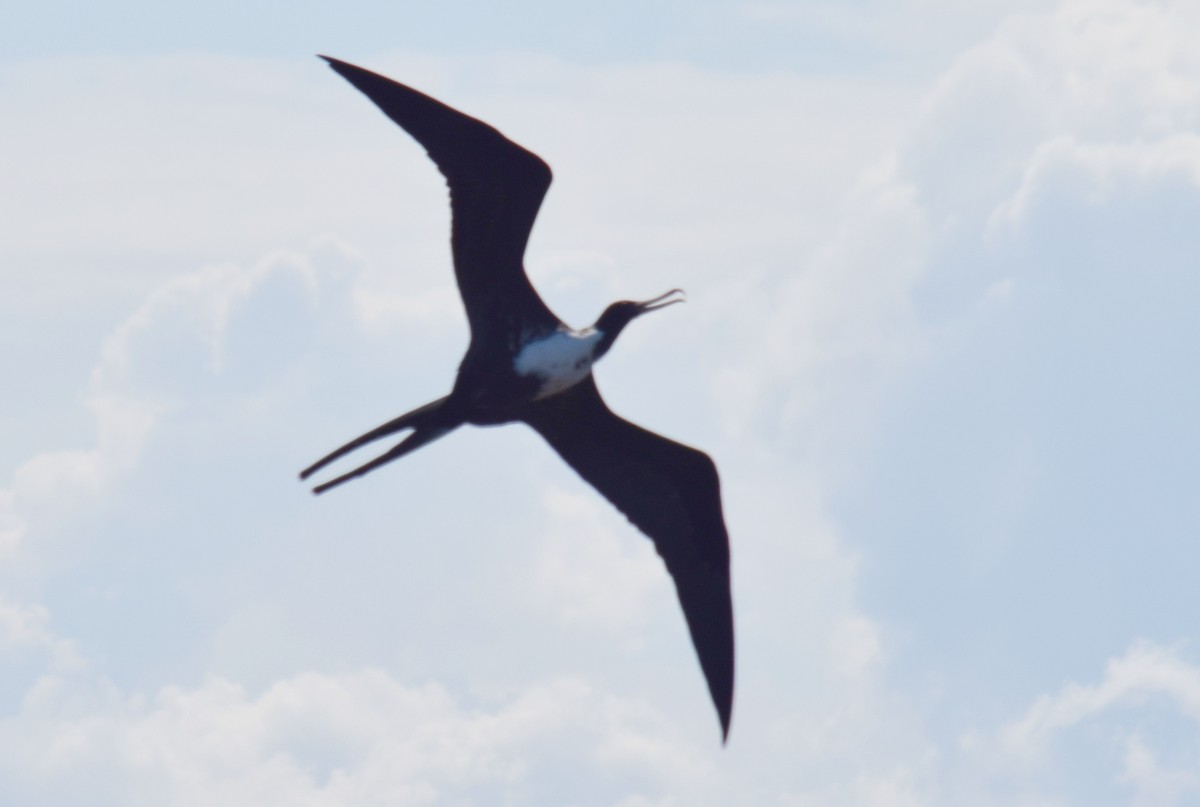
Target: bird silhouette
(523, 364)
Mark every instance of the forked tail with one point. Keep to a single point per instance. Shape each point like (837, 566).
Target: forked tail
(428, 422)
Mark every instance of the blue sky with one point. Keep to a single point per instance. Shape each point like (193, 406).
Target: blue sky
(940, 260)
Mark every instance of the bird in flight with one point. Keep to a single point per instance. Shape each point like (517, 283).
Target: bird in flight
(523, 364)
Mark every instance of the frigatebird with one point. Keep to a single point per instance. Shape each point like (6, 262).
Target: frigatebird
(524, 364)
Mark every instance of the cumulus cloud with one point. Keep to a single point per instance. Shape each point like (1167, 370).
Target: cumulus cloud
(1145, 669)
(1155, 784)
(1134, 732)
(186, 342)
(1160, 177)
(26, 628)
(356, 738)
(589, 574)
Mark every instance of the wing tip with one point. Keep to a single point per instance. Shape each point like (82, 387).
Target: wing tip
(337, 64)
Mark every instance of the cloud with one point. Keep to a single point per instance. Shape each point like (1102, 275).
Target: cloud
(26, 628)
(1145, 669)
(592, 575)
(1159, 179)
(187, 342)
(1155, 784)
(356, 738)
(1134, 732)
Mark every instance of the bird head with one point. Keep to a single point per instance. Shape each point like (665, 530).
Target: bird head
(621, 313)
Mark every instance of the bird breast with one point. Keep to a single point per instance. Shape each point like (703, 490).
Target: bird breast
(559, 361)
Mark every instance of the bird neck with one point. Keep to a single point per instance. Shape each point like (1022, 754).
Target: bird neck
(607, 337)
(609, 327)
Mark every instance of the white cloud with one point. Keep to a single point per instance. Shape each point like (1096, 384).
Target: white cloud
(356, 738)
(51, 485)
(162, 358)
(1065, 172)
(25, 628)
(855, 647)
(1134, 735)
(1156, 785)
(589, 574)
(1145, 669)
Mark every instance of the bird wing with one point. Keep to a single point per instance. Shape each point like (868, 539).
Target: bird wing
(672, 494)
(496, 188)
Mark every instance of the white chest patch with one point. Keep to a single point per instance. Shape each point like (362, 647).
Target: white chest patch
(560, 361)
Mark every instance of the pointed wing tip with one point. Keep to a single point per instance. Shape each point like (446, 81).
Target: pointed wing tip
(725, 713)
(337, 64)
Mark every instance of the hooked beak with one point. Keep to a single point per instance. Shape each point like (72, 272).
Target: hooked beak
(662, 301)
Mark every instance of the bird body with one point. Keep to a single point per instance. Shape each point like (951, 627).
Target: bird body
(559, 361)
(524, 364)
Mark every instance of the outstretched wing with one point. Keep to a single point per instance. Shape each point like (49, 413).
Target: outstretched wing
(671, 493)
(496, 188)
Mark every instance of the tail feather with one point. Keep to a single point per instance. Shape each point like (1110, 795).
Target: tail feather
(422, 435)
(428, 423)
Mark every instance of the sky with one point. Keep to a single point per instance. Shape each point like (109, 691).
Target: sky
(941, 269)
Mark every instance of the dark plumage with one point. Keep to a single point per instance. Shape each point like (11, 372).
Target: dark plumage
(524, 364)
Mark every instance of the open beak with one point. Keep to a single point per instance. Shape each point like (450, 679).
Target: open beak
(662, 301)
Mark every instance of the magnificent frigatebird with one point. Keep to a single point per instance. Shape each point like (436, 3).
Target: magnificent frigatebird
(524, 364)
